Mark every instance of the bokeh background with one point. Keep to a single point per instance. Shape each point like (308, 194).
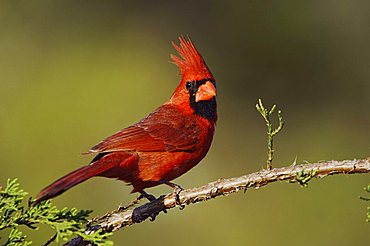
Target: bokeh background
(74, 72)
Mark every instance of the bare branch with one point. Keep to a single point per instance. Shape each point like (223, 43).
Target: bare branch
(295, 173)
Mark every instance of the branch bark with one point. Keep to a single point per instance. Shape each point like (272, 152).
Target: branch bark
(295, 173)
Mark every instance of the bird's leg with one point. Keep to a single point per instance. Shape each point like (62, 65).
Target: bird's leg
(147, 196)
(176, 192)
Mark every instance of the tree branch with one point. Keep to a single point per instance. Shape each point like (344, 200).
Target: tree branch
(295, 173)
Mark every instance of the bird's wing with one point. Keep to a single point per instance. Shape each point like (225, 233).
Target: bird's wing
(166, 129)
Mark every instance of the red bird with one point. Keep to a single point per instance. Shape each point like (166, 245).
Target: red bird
(164, 145)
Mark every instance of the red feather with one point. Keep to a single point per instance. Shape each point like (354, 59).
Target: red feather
(154, 133)
(165, 144)
(192, 67)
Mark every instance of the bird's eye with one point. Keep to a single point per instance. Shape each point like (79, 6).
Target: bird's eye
(188, 85)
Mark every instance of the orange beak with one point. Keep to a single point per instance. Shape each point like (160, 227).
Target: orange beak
(205, 92)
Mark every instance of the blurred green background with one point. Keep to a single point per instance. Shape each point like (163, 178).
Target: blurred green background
(74, 72)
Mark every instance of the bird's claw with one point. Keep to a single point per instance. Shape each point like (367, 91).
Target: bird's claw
(146, 211)
(152, 217)
(176, 193)
(138, 216)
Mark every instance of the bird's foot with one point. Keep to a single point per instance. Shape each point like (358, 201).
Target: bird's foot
(150, 209)
(176, 193)
(151, 198)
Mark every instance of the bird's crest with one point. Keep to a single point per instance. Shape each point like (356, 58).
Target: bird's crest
(192, 65)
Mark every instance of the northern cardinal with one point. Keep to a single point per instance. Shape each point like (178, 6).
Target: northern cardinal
(165, 144)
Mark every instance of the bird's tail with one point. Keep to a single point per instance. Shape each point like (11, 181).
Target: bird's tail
(72, 179)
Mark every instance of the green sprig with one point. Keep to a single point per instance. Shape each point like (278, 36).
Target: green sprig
(270, 131)
(65, 222)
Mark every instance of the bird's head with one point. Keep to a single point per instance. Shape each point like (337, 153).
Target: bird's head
(197, 87)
